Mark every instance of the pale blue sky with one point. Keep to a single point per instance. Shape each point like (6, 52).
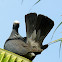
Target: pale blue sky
(11, 10)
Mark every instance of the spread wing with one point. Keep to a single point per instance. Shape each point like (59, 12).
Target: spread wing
(37, 27)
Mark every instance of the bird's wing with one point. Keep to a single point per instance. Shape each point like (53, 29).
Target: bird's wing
(38, 27)
(17, 46)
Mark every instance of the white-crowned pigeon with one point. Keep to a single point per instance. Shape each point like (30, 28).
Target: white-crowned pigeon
(37, 28)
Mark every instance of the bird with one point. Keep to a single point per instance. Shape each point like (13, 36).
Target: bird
(17, 44)
(37, 28)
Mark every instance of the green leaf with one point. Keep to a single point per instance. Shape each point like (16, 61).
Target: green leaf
(56, 29)
(7, 56)
(34, 4)
(37, 2)
(60, 48)
(55, 41)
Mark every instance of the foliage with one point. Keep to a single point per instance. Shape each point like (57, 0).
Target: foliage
(34, 4)
(7, 56)
(37, 2)
(57, 39)
(56, 29)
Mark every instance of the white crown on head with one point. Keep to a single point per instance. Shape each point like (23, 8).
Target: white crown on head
(16, 21)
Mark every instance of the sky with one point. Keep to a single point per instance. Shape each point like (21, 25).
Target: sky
(11, 10)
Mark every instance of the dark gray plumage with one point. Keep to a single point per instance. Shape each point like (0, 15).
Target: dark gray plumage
(17, 44)
(37, 28)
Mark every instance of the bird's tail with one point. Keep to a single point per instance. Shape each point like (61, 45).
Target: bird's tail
(37, 27)
(43, 27)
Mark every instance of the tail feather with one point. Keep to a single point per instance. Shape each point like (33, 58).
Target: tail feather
(30, 20)
(43, 27)
(39, 25)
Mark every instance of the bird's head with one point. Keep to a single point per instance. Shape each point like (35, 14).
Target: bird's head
(16, 24)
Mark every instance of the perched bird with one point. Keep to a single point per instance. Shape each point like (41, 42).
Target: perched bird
(37, 28)
(17, 44)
